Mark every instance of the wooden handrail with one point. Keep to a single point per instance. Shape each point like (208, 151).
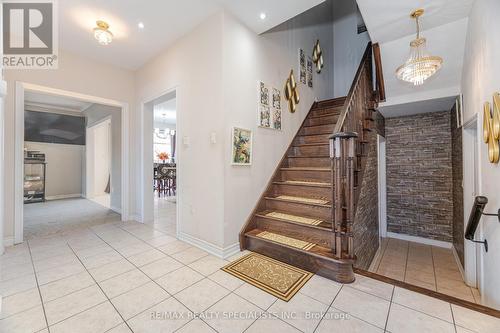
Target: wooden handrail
(379, 74)
(339, 127)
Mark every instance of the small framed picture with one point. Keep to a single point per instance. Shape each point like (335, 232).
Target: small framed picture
(459, 109)
(241, 150)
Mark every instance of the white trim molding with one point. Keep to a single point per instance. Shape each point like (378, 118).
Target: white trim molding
(21, 87)
(420, 240)
(459, 264)
(215, 250)
(63, 196)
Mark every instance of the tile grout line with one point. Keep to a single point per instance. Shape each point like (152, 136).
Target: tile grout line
(406, 262)
(38, 287)
(329, 307)
(138, 268)
(100, 288)
(434, 268)
(390, 306)
(453, 318)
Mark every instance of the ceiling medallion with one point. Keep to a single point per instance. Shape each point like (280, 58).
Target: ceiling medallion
(102, 33)
(292, 92)
(318, 57)
(420, 65)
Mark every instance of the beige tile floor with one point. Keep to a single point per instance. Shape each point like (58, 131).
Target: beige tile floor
(426, 266)
(130, 277)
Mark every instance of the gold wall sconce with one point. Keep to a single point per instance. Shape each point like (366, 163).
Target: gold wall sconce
(491, 128)
(318, 57)
(292, 92)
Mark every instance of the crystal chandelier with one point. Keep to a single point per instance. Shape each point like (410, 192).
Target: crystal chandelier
(420, 65)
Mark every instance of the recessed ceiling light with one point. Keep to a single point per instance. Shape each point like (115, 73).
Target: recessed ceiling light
(140, 25)
(263, 16)
(102, 33)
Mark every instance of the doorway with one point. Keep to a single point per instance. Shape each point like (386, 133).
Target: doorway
(472, 252)
(160, 162)
(50, 156)
(99, 163)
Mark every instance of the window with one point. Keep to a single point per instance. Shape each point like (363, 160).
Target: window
(162, 143)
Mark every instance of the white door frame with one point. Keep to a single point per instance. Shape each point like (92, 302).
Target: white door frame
(382, 186)
(473, 256)
(146, 175)
(89, 151)
(21, 87)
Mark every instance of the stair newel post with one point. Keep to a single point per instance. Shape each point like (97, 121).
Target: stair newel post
(335, 156)
(349, 186)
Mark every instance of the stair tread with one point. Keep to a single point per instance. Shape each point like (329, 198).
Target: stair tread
(302, 200)
(307, 168)
(312, 144)
(315, 250)
(285, 240)
(296, 219)
(303, 183)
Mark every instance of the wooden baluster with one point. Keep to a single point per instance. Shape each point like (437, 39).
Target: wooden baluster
(351, 154)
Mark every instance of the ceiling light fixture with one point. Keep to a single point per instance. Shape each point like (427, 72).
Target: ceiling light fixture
(140, 25)
(102, 33)
(263, 16)
(420, 65)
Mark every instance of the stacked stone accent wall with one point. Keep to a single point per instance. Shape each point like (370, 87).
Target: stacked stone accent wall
(419, 175)
(458, 191)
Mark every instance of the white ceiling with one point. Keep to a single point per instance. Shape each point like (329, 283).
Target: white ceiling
(165, 21)
(165, 112)
(392, 20)
(425, 106)
(277, 11)
(59, 102)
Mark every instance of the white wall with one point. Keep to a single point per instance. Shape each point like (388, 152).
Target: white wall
(95, 114)
(64, 170)
(75, 74)
(102, 157)
(249, 58)
(348, 45)
(480, 80)
(194, 66)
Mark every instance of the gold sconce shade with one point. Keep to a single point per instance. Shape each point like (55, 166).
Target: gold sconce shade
(420, 65)
(292, 92)
(317, 57)
(491, 128)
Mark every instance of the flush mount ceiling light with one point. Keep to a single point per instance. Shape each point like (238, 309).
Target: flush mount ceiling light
(140, 25)
(102, 33)
(263, 16)
(420, 65)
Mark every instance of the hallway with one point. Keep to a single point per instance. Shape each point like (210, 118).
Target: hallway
(113, 277)
(425, 266)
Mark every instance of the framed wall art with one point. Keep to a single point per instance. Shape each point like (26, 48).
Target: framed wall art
(241, 149)
(302, 67)
(269, 107)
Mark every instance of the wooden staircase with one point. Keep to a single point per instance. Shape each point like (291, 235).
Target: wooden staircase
(303, 218)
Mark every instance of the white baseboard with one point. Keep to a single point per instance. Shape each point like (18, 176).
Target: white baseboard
(376, 258)
(209, 247)
(63, 196)
(459, 264)
(116, 210)
(420, 240)
(8, 241)
(136, 218)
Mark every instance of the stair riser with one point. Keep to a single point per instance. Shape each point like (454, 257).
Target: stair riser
(298, 209)
(322, 138)
(322, 120)
(322, 129)
(317, 162)
(339, 272)
(312, 176)
(321, 150)
(303, 191)
(335, 111)
(303, 232)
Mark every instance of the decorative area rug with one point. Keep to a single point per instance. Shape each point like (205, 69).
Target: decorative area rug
(272, 276)
(294, 218)
(296, 243)
(300, 199)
